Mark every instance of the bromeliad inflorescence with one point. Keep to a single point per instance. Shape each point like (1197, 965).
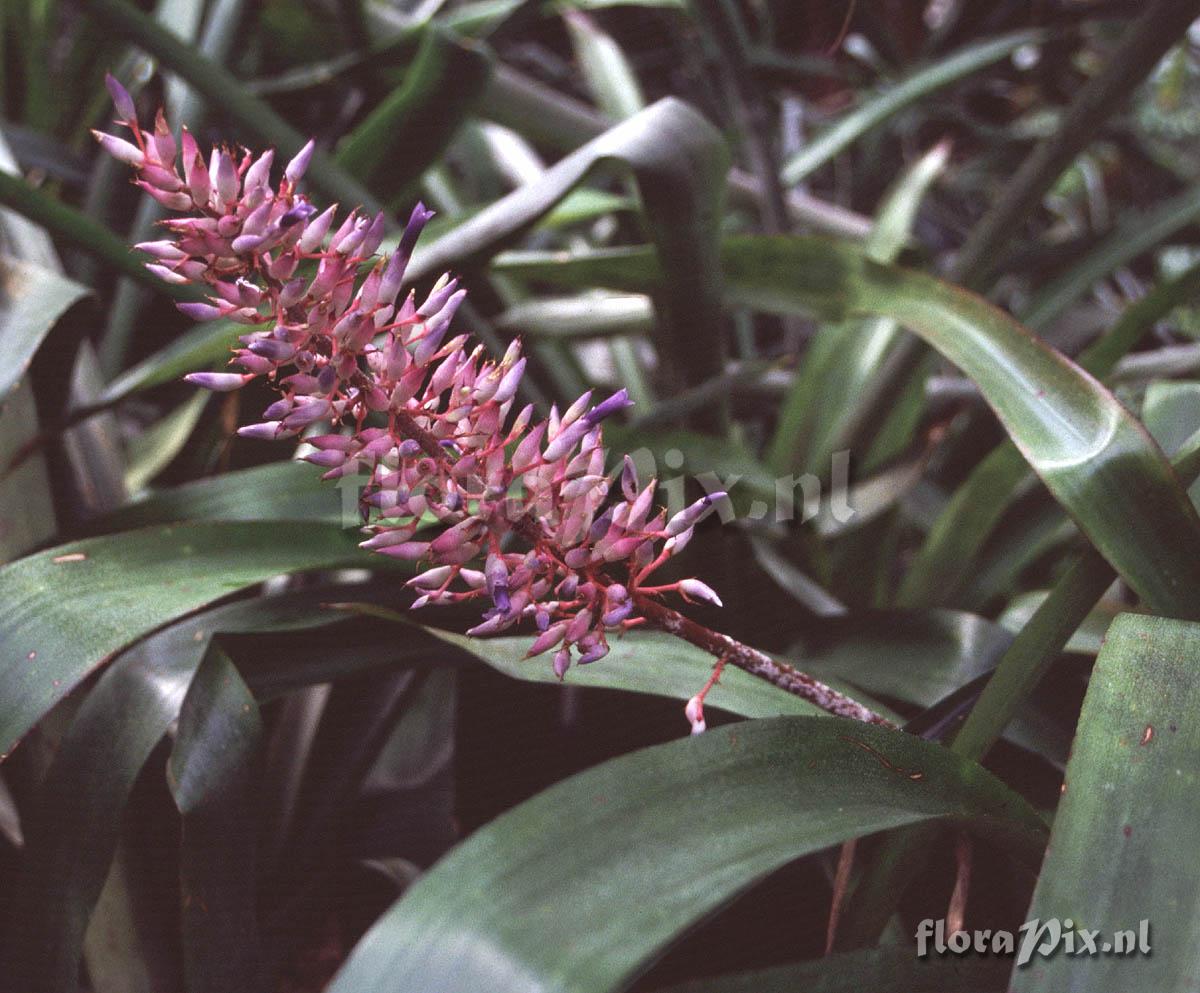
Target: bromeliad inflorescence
(499, 508)
(451, 472)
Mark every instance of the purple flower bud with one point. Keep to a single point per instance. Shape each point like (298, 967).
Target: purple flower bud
(172, 201)
(299, 164)
(255, 364)
(326, 460)
(562, 662)
(697, 590)
(566, 439)
(442, 291)
(409, 551)
(510, 382)
(527, 454)
(167, 275)
(431, 578)
(618, 614)
(267, 431)
(308, 411)
(259, 174)
(547, 640)
(412, 230)
(618, 401)
(436, 328)
(120, 149)
(273, 349)
(593, 654)
(676, 544)
(629, 479)
(199, 311)
(226, 178)
(327, 379)
(692, 515)
(166, 250)
(315, 233)
(374, 236)
(579, 625)
(121, 99)
(195, 173)
(348, 244)
(244, 244)
(218, 382)
(300, 213)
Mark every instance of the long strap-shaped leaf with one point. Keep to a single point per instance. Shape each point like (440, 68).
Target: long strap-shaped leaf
(32, 299)
(679, 161)
(575, 889)
(1095, 457)
(210, 775)
(64, 611)
(1129, 819)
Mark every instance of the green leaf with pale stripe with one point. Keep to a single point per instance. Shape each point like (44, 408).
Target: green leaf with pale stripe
(575, 890)
(1129, 818)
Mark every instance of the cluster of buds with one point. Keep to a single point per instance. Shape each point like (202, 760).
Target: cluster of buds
(498, 507)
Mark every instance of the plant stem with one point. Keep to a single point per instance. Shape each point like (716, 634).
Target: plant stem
(757, 663)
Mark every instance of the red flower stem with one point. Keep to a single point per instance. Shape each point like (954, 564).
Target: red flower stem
(720, 646)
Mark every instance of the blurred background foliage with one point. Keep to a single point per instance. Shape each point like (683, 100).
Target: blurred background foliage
(762, 217)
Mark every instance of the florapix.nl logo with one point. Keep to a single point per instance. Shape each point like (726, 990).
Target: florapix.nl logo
(1042, 939)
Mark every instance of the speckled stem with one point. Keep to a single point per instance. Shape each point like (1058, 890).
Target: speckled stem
(757, 663)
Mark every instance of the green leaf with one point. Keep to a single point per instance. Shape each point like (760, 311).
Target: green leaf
(216, 84)
(1092, 454)
(290, 491)
(679, 162)
(578, 888)
(818, 414)
(32, 299)
(78, 229)
(877, 109)
(77, 819)
(606, 71)
(153, 450)
(209, 773)
(591, 315)
(68, 609)
(1133, 236)
(1130, 794)
(1001, 477)
(411, 126)
(1087, 639)
(205, 346)
(881, 970)
(120, 721)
